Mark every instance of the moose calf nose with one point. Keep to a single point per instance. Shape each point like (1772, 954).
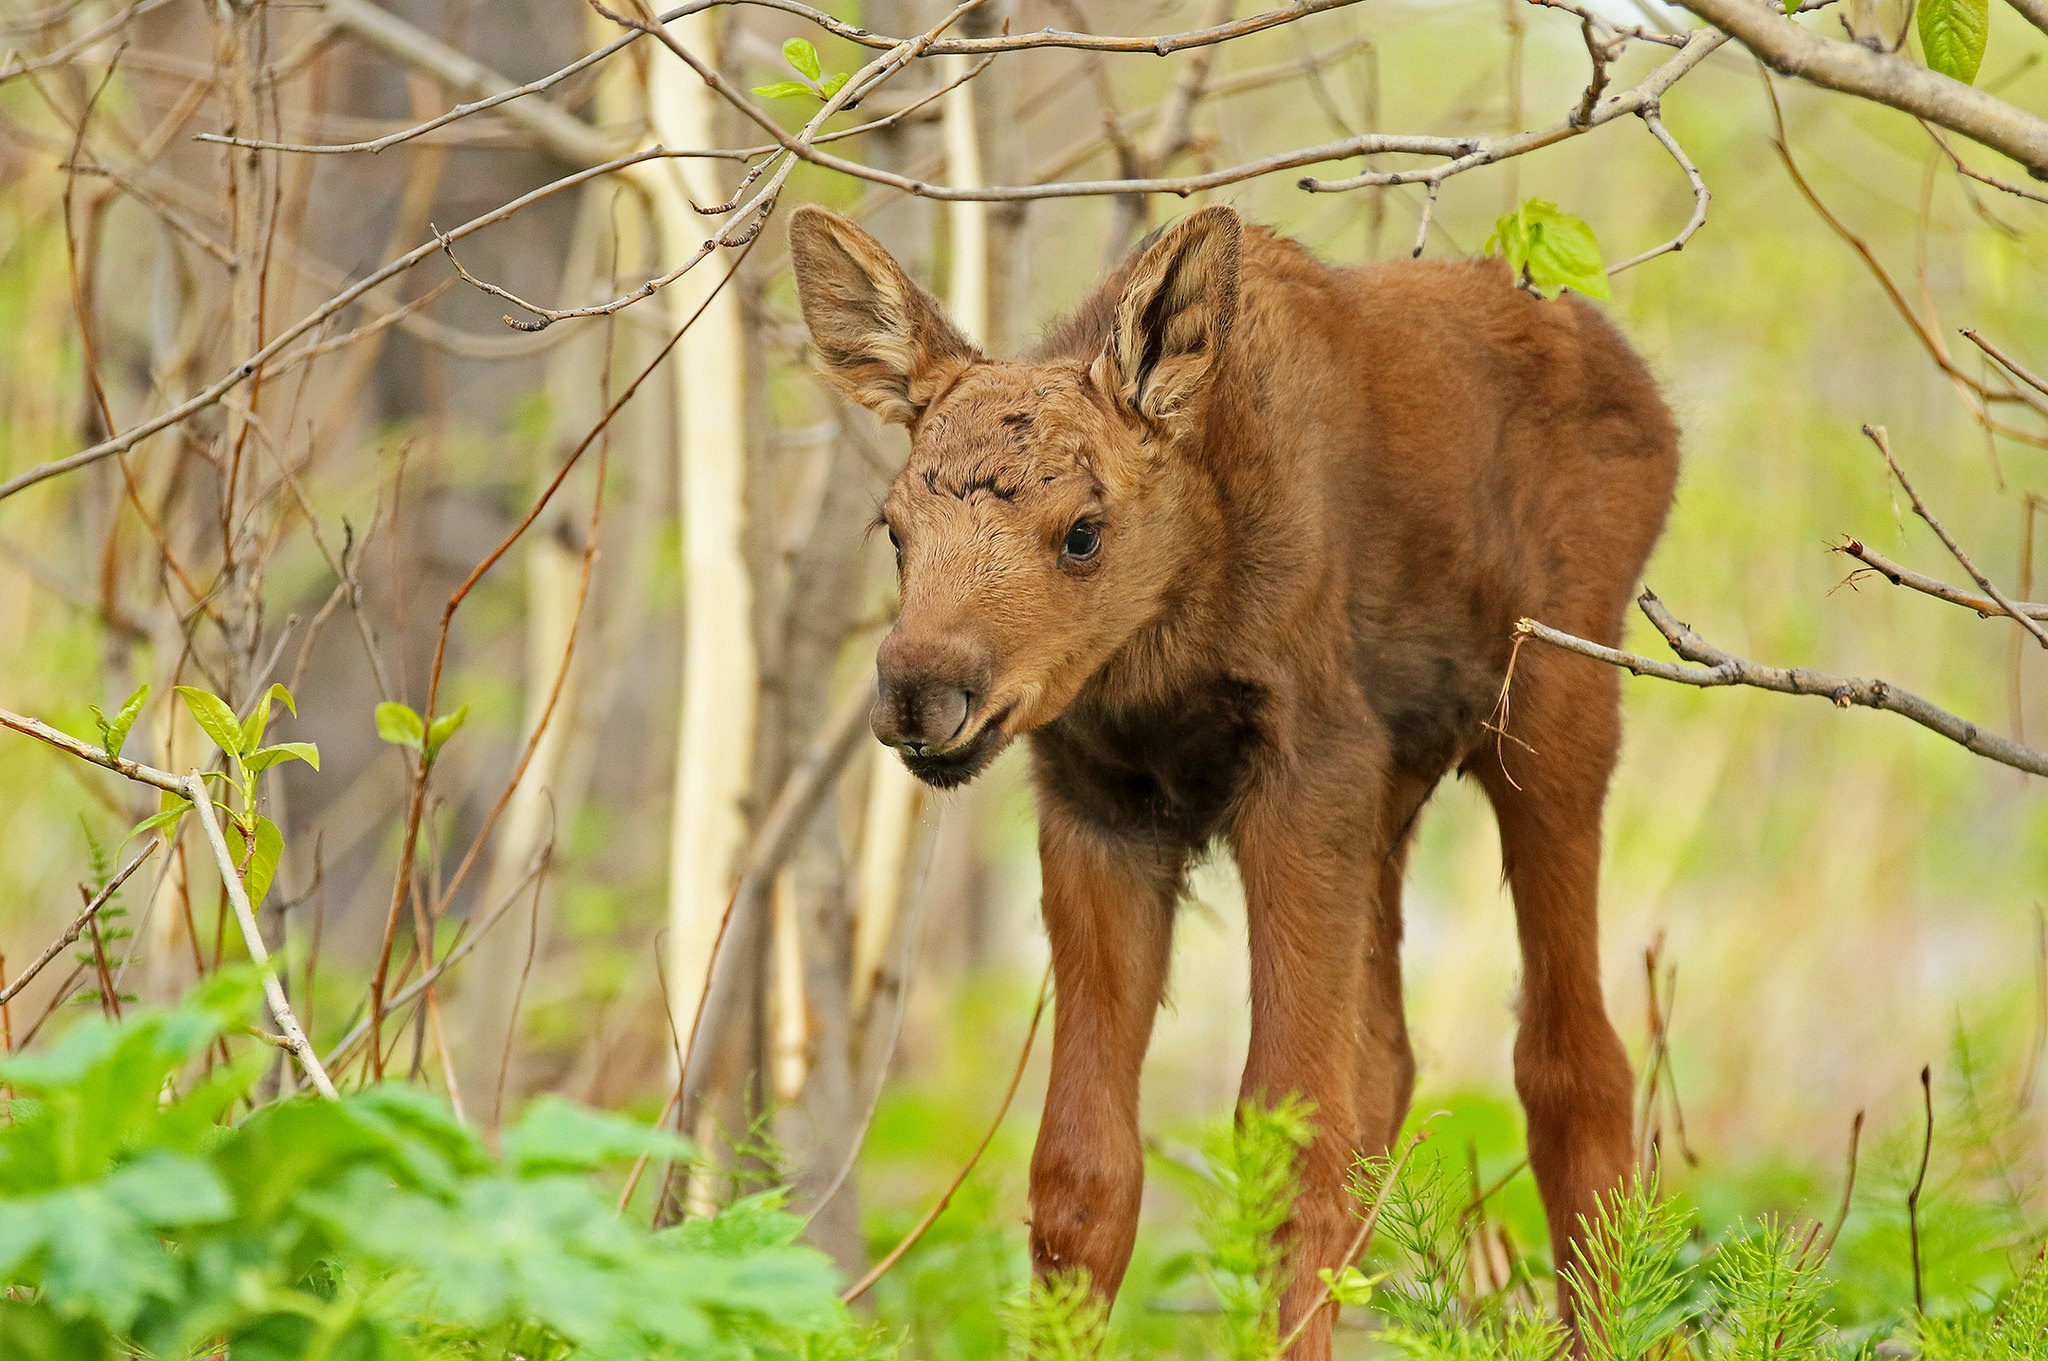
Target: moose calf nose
(925, 694)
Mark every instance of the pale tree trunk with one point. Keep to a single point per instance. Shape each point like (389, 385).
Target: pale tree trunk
(552, 785)
(540, 804)
(714, 761)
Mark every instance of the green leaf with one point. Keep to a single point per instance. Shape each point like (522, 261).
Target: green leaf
(399, 725)
(254, 724)
(165, 818)
(263, 865)
(215, 718)
(786, 89)
(1551, 249)
(283, 696)
(115, 732)
(832, 86)
(443, 728)
(559, 1136)
(1952, 36)
(802, 58)
(283, 751)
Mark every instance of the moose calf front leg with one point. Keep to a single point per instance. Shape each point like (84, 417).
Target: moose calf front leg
(1308, 887)
(1109, 915)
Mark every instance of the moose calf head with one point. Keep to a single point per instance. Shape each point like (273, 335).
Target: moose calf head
(1047, 509)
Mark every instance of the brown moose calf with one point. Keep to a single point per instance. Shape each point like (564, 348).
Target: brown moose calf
(1240, 551)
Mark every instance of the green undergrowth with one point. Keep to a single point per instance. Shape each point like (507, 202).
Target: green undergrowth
(139, 1218)
(151, 1208)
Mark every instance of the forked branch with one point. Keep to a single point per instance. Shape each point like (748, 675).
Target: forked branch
(1718, 668)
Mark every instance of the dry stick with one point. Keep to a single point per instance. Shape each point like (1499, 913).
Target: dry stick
(456, 954)
(1472, 152)
(931, 1216)
(1968, 171)
(1653, 119)
(247, 368)
(802, 790)
(1848, 1189)
(80, 43)
(120, 765)
(1881, 78)
(1719, 668)
(2006, 361)
(431, 59)
(1160, 45)
(1973, 391)
(1360, 1241)
(1919, 1182)
(1877, 436)
(79, 923)
(416, 800)
(238, 898)
(1897, 575)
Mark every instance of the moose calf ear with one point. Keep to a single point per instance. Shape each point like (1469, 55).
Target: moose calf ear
(883, 340)
(1175, 314)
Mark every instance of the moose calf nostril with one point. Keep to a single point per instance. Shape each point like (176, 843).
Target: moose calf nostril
(947, 714)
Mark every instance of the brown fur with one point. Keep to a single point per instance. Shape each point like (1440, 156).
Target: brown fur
(1322, 497)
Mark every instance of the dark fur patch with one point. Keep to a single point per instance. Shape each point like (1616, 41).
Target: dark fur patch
(1165, 775)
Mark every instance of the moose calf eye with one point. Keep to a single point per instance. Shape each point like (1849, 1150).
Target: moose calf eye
(1084, 540)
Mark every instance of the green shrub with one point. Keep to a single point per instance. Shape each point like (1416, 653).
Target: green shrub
(136, 1219)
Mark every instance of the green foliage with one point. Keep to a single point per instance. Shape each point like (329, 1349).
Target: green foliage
(2014, 1328)
(1425, 1226)
(1059, 1318)
(814, 84)
(114, 732)
(401, 726)
(1769, 1294)
(1952, 36)
(1550, 249)
(135, 1220)
(1250, 1195)
(1631, 1275)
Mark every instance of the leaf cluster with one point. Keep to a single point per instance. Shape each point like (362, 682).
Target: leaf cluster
(137, 1220)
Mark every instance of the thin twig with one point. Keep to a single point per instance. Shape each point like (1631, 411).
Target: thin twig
(1653, 120)
(79, 923)
(1897, 575)
(1877, 436)
(1919, 1183)
(1360, 1241)
(1718, 668)
(1848, 1190)
(252, 937)
(909, 1240)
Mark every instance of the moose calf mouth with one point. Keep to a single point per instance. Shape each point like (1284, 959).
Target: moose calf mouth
(957, 764)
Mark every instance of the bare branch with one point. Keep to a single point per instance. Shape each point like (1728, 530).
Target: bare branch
(1718, 668)
(1469, 153)
(1882, 78)
(2033, 11)
(82, 43)
(252, 937)
(1934, 586)
(1162, 45)
(79, 923)
(1877, 436)
(1654, 121)
(567, 137)
(120, 765)
(2007, 362)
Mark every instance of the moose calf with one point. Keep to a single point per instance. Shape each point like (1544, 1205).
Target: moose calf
(1240, 551)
